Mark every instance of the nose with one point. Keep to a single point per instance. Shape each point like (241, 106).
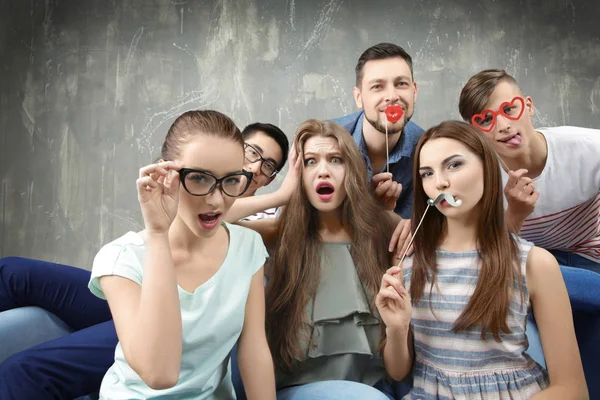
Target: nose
(441, 182)
(392, 95)
(502, 123)
(253, 167)
(215, 198)
(323, 170)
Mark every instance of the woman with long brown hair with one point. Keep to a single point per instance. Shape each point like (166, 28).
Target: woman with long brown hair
(470, 284)
(329, 250)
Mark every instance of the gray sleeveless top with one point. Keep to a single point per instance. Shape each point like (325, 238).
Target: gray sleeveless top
(344, 335)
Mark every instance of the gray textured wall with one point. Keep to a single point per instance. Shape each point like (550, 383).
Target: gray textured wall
(88, 88)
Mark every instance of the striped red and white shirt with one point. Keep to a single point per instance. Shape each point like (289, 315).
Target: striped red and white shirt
(567, 213)
(269, 213)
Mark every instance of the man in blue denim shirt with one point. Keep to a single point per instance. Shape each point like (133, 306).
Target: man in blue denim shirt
(384, 77)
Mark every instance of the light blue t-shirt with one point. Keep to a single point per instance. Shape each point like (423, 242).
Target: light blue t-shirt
(212, 318)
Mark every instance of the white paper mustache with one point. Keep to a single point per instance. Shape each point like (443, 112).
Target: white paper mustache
(447, 197)
(430, 202)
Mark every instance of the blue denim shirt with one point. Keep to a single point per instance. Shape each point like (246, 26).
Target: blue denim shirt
(401, 162)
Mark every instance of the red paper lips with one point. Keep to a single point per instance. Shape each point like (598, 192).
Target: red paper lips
(394, 113)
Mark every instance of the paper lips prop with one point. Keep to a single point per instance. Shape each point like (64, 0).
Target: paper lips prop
(394, 113)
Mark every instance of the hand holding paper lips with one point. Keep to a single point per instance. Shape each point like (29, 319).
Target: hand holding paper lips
(393, 113)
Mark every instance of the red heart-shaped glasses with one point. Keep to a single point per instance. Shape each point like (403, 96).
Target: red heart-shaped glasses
(512, 110)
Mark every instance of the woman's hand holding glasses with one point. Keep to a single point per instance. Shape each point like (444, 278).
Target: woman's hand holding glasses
(158, 194)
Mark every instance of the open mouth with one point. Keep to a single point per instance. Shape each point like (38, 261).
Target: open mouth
(511, 140)
(209, 220)
(325, 190)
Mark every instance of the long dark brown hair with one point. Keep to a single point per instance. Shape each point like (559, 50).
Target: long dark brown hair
(498, 251)
(294, 268)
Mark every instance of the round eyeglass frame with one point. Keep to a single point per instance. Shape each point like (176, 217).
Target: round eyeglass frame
(262, 160)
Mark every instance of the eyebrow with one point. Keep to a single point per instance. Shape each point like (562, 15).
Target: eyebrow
(205, 171)
(444, 161)
(378, 80)
(334, 153)
(257, 147)
(261, 151)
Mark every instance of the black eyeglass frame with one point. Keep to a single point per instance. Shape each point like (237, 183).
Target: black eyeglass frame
(183, 172)
(262, 159)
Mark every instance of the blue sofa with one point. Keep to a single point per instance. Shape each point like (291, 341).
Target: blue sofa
(583, 287)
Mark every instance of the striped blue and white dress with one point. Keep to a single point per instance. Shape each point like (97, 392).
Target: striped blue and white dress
(461, 365)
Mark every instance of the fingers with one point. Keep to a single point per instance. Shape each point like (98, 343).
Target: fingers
(382, 188)
(154, 175)
(395, 237)
(381, 177)
(293, 155)
(298, 164)
(514, 176)
(529, 188)
(391, 191)
(158, 169)
(405, 240)
(295, 161)
(410, 250)
(395, 270)
(392, 281)
(388, 191)
(519, 185)
(401, 238)
(400, 234)
(390, 294)
(171, 183)
(520, 188)
(522, 191)
(398, 191)
(146, 183)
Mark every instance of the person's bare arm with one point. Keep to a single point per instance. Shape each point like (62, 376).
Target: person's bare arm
(247, 206)
(254, 357)
(394, 305)
(266, 227)
(553, 315)
(398, 353)
(521, 198)
(148, 317)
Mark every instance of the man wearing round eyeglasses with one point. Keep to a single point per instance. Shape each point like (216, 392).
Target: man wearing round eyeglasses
(266, 152)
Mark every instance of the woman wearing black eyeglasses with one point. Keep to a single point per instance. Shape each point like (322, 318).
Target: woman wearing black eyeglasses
(184, 290)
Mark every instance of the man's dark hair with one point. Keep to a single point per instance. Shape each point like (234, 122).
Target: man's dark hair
(274, 133)
(381, 51)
